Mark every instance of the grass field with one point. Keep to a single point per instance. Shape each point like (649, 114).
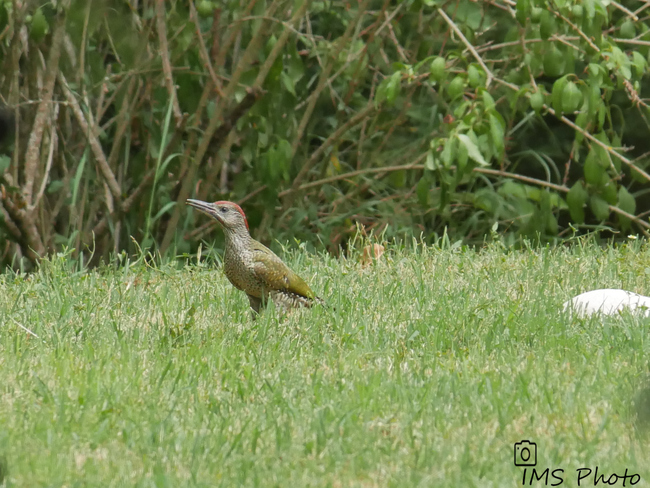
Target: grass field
(424, 371)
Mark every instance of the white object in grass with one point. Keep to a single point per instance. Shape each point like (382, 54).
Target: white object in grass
(608, 301)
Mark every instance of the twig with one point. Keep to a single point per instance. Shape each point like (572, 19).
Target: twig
(82, 49)
(164, 53)
(232, 35)
(4, 32)
(279, 45)
(368, 109)
(635, 42)
(203, 52)
(252, 194)
(243, 64)
(560, 188)
(624, 9)
(32, 246)
(351, 174)
(633, 218)
(123, 121)
(575, 28)
(585, 134)
(8, 223)
(92, 140)
(50, 155)
(527, 179)
(645, 5)
(102, 226)
(607, 148)
(33, 153)
(313, 97)
(393, 38)
(468, 45)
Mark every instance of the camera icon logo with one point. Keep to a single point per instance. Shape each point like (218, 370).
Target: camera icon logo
(525, 453)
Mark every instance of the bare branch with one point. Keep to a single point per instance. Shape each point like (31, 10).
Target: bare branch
(48, 166)
(33, 154)
(584, 36)
(95, 145)
(629, 13)
(266, 67)
(164, 53)
(203, 52)
(468, 45)
(358, 118)
(244, 63)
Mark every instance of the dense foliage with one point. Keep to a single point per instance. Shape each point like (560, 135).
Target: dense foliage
(405, 117)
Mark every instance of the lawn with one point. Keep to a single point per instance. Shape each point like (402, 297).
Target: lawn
(424, 370)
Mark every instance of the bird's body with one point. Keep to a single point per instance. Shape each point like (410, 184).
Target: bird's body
(608, 301)
(251, 266)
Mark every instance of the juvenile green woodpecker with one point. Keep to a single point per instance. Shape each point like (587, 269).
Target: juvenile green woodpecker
(251, 266)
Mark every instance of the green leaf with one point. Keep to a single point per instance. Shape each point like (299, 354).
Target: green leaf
(551, 224)
(554, 62)
(537, 101)
(461, 158)
(393, 87)
(571, 97)
(295, 67)
(262, 139)
(599, 207)
(602, 115)
(535, 14)
(581, 121)
(422, 190)
(437, 69)
(39, 26)
(522, 11)
(595, 100)
(456, 87)
(619, 61)
(5, 161)
(608, 191)
(627, 30)
(513, 189)
(547, 26)
(472, 149)
(557, 93)
(486, 199)
(593, 170)
(576, 199)
(430, 162)
(287, 81)
(488, 101)
(448, 154)
(54, 186)
(166, 208)
(626, 201)
(473, 76)
(596, 73)
(382, 90)
(497, 133)
(639, 62)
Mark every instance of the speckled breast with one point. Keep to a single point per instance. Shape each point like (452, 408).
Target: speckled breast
(238, 273)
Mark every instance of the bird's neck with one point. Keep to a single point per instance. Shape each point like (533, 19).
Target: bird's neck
(237, 239)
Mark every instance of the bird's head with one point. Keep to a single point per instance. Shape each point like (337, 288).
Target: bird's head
(228, 214)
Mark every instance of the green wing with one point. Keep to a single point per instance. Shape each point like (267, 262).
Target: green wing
(276, 275)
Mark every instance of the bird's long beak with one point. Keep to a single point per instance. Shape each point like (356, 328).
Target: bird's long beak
(205, 207)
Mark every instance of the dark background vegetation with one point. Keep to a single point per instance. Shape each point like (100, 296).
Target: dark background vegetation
(402, 118)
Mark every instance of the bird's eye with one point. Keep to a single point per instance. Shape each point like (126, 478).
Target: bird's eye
(224, 209)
